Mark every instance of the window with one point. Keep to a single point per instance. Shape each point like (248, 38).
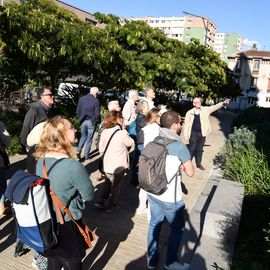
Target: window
(163, 21)
(268, 86)
(256, 65)
(253, 82)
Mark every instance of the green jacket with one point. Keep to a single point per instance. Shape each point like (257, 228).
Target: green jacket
(70, 182)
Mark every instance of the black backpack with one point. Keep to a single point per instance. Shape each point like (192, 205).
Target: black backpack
(152, 161)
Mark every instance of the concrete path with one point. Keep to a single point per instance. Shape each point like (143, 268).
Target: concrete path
(121, 236)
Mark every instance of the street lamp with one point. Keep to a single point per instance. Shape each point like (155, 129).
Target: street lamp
(205, 24)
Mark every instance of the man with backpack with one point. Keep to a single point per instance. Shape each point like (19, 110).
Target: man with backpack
(165, 200)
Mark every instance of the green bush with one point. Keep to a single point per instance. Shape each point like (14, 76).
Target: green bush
(257, 119)
(248, 166)
(13, 121)
(241, 137)
(15, 146)
(241, 161)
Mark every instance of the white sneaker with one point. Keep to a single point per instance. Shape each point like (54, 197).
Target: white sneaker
(177, 266)
(34, 264)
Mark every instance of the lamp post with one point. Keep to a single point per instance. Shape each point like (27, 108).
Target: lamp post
(205, 24)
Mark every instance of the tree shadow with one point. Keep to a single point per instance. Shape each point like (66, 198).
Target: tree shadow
(8, 231)
(225, 118)
(15, 166)
(111, 229)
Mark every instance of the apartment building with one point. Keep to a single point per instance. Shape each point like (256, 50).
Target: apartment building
(83, 15)
(184, 28)
(252, 72)
(227, 44)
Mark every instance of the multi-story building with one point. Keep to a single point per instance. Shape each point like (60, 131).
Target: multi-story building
(227, 44)
(85, 16)
(252, 72)
(184, 28)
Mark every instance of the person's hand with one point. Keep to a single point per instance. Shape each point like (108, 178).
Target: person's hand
(185, 138)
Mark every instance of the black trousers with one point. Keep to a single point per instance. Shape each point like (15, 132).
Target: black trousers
(195, 147)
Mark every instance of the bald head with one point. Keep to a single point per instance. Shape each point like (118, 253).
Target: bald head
(197, 103)
(94, 91)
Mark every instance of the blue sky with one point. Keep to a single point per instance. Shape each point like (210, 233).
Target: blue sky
(249, 18)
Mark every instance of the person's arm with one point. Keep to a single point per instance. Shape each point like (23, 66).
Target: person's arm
(97, 111)
(126, 112)
(188, 168)
(186, 163)
(82, 182)
(102, 144)
(219, 105)
(128, 141)
(28, 125)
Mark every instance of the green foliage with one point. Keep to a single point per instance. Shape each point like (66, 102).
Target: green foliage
(257, 119)
(13, 122)
(251, 247)
(240, 138)
(249, 167)
(46, 41)
(243, 161)
(15, 146)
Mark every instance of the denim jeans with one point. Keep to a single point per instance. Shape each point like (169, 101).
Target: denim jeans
(87, 131)
(3, 185)
(174, 213)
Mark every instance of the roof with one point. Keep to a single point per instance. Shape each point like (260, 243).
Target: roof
(254, 53)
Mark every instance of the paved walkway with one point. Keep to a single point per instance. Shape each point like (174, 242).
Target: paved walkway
(121, 236)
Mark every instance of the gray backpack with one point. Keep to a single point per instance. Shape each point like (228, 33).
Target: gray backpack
(152, 161)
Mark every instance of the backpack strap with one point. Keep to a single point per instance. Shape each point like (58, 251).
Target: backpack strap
(53, 195)
(108, 143)
(166, 142)
(58, 204)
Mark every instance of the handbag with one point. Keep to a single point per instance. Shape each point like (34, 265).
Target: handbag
(87, 234)
(100, 164)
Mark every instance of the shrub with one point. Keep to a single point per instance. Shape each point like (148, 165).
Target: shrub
(248, 166)
(241, 137)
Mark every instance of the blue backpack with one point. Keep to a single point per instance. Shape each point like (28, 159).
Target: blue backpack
(132, 129)
(34, 214)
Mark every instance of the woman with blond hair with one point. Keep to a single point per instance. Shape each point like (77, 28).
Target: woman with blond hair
(115, 159)
(70, 182)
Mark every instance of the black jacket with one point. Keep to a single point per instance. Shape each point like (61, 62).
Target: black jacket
(36, 114)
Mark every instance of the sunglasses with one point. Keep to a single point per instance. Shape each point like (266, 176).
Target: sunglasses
(51, 95)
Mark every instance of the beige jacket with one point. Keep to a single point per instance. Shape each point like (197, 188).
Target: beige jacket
(128, 112)
(116, 156)
(204, 117)
(4, 140)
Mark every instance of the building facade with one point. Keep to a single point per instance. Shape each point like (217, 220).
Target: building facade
(184, 28)
(252, 73)
(83, 15)
(227, 44)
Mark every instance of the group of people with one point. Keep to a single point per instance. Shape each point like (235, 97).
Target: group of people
(51, 138)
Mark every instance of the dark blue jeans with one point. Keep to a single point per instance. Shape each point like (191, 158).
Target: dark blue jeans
(195, 147)
(174, 213)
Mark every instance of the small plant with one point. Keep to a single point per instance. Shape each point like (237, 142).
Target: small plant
(249, 166)
(15, 146)
(241, 138)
